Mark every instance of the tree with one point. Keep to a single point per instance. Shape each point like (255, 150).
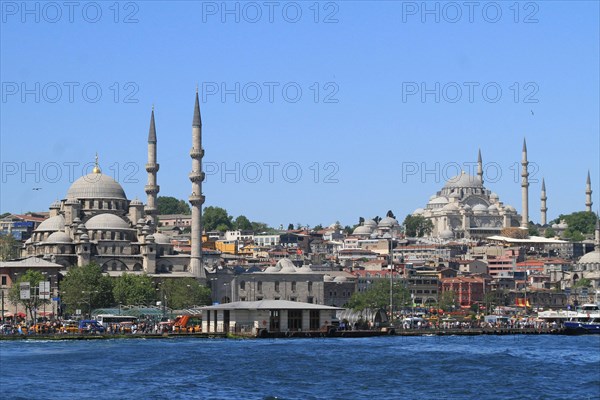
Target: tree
(583, 283)
(259, 227)
(86, 288)
(390, 214)
(318, 228)
(417, 226)
(581, 221)
(4, 215)
(550, 233)
(9, 247)
(290, 227)
(184, 293)
(448, 300)
(170, 205)
(377, 296)
(131, 289)
(215, 216)
(533, 230)
(34, 278)
(361, 220)
(242, 223)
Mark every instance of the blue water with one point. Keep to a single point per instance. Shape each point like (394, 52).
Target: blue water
(482, 367)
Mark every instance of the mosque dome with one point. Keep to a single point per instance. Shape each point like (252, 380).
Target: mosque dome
(464, 180)
(479, 208)
(418, 211)
(492, 209)
(494, 196)
(56, 223)
(161, 238)
(96, 186)
(450, 207)
(58, 237)
(136, 202)
(370, 222)
(286, 266)
(55, 205)
(388, 222)
(510, 208)
(593, 257)
(439, 200)
(106, 222)
(362, 230)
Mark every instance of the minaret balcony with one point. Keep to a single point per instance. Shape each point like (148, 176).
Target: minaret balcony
(196, 176)
(152, 167)
(195, 153)
(196, 200)
(151, 189)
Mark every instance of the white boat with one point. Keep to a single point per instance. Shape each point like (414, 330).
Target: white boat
(586, 320)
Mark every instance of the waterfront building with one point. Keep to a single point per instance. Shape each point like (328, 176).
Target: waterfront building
(468, 290)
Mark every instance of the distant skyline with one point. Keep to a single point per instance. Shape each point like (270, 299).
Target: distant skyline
(370, 108)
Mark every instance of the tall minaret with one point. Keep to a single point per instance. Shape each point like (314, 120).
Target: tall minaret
(588, 194)
(196, 198)
(524, 188)
(543, 208)
(479, 166)
(151, 188)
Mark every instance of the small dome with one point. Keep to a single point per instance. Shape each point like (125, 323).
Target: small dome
(286, 266)
(136, 202)
(55, 205)
(56, 223)
(327, 278)
(593, 257)
(362, 230)
(388, 222)
(433, 197)
(370, 222)
(418, 211)
(58, 237)
(492, 209)
(71, 201)
(479, 208)
(340, 279)
(446, 234)
(106, 222)
(161, 238)
(84, 237)
(96, 186)
(510, 208)
(467, 207)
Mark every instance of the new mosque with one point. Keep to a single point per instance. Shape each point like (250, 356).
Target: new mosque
(96, 222)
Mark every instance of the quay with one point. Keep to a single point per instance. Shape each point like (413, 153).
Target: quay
(290, 334)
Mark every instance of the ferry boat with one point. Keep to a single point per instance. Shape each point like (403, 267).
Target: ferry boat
(586, 321)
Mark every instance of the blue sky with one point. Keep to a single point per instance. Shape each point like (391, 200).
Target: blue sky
(361, 132)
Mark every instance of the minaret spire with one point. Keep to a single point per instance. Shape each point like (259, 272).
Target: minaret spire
(543, 207)
(588, 194)
(152, 167)
(196, 198)
(524, 188)
(479, 166)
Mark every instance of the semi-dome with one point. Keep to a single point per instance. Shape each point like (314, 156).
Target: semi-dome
(439, 200)
(58, 237)
(450, 207)
(362, 230)
(492, 208)
(55, 223)
(464, 180)
(106, 222)
(96, 186)
(286, 266)
(593, 257)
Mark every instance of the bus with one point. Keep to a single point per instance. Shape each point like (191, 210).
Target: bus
(109, 319)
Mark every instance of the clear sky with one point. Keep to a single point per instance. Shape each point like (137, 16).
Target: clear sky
(375, 104)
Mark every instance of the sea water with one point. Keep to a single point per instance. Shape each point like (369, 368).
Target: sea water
(459, 367)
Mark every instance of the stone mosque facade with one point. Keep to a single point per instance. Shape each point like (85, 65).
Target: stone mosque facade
(96, 222)
(464, 208)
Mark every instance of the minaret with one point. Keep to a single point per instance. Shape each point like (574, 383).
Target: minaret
(196, 198)
(479, 166)
(524, 188)
(588, 194)
(152, 168)
(543, 208)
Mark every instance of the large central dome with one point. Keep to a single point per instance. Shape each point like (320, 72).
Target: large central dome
(96, 186)
(464, 180)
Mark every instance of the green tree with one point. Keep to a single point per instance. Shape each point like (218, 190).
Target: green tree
(583, 283)
(417, 226)
(34, 278)
(86, 288)
(290, 227)
(171, 205)
(4, 215)
(550, 233)
(129, 289)
(533, 230)
(580, 223)
(215, 216)
(448, 300)
(184, 293)
(318, 227)
(9, 247)
(259, 227)
(377, 296)
(242, 223)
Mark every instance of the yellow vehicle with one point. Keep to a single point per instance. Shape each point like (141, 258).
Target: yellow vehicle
(70, 327)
